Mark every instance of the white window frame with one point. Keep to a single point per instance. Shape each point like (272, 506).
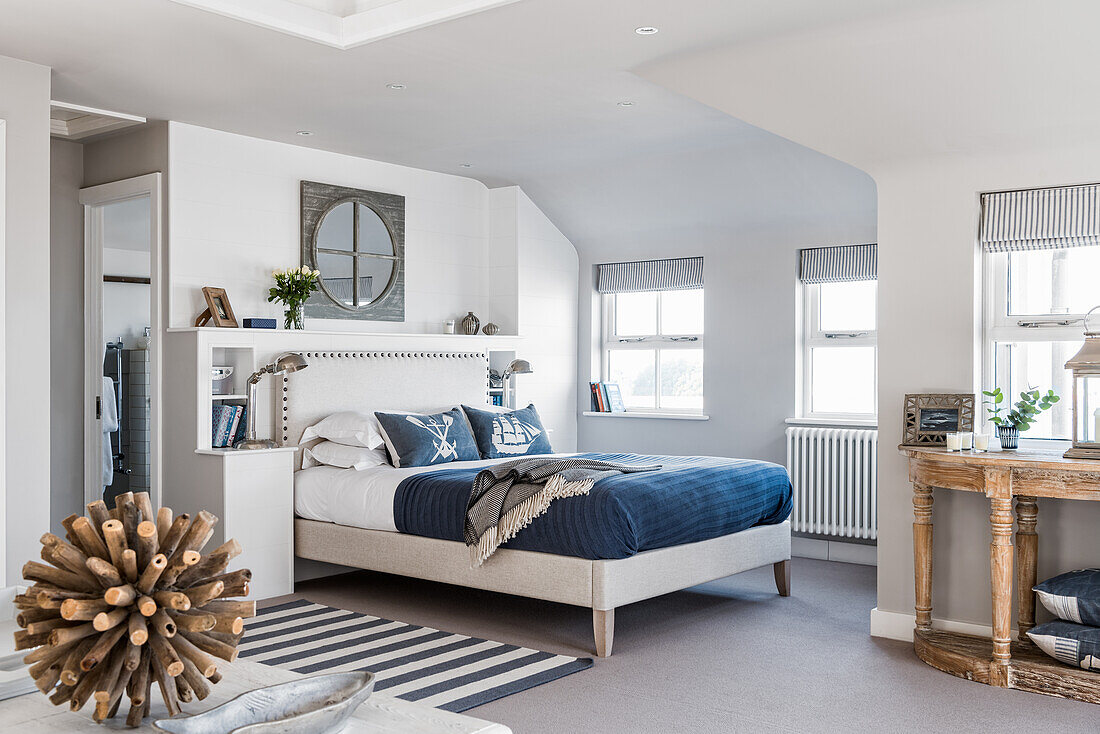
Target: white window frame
(814, 336)
(612, 341)
(998, 325)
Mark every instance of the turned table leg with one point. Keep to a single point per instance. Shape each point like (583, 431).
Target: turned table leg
(922, 554)
(1027, 550)
(1000, 563)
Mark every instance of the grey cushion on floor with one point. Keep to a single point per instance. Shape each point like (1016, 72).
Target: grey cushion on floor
(1073, 596)
(1073, 644)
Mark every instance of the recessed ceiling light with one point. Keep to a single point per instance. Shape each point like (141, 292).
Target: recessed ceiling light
(395, 86)
(646, 30)
(626, 103)
(304, 133)
(466, 165)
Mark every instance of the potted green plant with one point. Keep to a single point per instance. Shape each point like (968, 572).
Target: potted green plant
(292, 287)
(1020, 416)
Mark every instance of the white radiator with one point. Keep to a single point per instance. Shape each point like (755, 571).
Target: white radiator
(835, 481)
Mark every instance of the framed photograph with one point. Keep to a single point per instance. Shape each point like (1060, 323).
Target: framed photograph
(928, 418)
(218, 309)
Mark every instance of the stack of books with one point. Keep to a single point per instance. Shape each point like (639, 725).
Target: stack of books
(228, 423)
(606, 398)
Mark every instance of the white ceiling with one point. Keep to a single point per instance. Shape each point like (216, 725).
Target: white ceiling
(526, 93)
(975, 79)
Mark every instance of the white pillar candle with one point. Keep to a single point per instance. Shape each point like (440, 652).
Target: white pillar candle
(953, 442)
(966, 440)
(981, 441)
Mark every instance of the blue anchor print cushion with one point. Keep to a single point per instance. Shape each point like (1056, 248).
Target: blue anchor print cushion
(1073, 596)
(508, 435)
(415, 439)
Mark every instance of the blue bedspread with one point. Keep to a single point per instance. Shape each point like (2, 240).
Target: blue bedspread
(691, 498)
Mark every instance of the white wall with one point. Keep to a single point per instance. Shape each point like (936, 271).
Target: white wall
(25, 106)
(235, 202)
(125, 305)
(941, 249)
(750, 284)
(234, 216)
(66, 330)
(547, 268)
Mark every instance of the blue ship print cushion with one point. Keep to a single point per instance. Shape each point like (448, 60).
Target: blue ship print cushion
(1073, 596)
(508, 435)
(1073, 644)
(415, 439)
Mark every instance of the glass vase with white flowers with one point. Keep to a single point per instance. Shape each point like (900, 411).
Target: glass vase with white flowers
(292, 288)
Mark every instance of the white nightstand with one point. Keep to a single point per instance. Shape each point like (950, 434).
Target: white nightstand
(252, 492)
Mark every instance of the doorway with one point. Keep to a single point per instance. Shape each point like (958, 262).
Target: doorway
(122, 264)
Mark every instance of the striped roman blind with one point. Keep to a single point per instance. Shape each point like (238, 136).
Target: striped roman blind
(839, 264)
(1040, 219)
(650, 275)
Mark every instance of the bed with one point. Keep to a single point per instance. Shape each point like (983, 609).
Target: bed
(632, 538)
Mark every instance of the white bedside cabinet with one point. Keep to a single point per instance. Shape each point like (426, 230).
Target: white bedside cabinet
(252, 493)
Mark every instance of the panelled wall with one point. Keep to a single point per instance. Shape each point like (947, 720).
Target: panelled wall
(234, 205)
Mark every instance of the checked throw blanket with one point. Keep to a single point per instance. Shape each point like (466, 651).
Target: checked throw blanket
(505, 498)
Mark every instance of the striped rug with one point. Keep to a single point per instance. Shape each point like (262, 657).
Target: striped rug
(451, 672)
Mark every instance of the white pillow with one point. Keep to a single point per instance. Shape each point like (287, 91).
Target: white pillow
(329, 453)
(348, 429)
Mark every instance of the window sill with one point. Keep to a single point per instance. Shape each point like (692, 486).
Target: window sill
(834, 422)
(638, 414)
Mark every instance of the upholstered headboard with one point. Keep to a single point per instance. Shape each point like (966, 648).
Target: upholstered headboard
(370, 381)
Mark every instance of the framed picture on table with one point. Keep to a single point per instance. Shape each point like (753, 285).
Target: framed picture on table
(928, 418)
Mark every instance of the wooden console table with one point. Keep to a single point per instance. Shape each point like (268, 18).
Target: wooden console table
(1000, 476)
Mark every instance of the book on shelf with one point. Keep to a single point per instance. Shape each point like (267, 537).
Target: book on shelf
(228, 424)
(615, 402)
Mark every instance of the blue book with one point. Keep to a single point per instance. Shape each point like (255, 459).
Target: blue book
(242, 426)
(221, 416)
(615, 398)
(259, 323)
(606, 398)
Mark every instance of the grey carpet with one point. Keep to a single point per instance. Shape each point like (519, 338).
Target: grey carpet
(729, 656)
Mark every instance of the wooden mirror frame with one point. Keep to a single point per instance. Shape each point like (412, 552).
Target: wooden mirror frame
(317, 201)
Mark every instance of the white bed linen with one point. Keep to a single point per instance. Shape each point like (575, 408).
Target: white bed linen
(361, 498)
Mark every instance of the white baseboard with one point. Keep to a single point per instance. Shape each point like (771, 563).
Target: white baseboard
(899, 626)
(834, 550)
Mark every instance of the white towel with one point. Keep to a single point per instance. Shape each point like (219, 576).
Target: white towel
(109, 423)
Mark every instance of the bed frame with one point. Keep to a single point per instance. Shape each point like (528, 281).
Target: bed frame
(431, 381)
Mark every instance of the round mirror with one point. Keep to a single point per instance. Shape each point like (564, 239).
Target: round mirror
(356, 254)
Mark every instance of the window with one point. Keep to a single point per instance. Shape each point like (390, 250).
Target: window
(1041, 252)
(839, 349)
(1035, 301)
(653, 349)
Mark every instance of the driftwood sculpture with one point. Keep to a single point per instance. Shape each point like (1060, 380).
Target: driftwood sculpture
(129, 602)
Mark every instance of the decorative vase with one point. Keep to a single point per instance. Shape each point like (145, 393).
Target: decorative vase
(295, 318)
(470, 323)
(490, 329)
(1009, 437)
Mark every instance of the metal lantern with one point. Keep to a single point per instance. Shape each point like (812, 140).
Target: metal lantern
(1086, 396)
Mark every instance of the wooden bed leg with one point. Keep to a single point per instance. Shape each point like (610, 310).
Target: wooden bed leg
(783, 577)
(603, 625)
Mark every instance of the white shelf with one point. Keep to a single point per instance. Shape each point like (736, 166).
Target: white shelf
(659, 416)
(244, 452)
(326, 332)
(233, 396)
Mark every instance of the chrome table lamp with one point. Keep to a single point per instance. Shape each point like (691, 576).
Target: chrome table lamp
(285, 363)
(515, 367)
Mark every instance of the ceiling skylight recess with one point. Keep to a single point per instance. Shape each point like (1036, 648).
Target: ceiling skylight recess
(343, 24)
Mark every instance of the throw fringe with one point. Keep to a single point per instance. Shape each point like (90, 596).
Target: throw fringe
(522, 514)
